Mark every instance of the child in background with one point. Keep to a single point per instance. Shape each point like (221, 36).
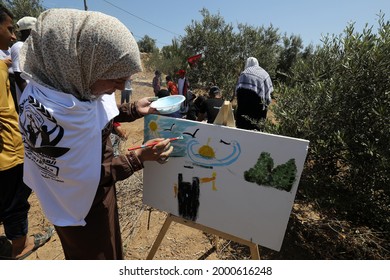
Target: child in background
(171, 86)
(118, 134)
(156, 82)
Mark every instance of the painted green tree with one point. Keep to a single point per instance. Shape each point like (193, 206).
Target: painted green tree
(283, 176)
(263, 173)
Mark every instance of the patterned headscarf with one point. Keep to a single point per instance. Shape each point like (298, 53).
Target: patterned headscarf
(256, 79)
(251, 61)
(69, 50)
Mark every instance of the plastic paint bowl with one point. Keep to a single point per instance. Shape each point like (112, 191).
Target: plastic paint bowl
(168, 104)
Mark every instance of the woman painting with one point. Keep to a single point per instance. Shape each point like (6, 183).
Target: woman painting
(75, 61)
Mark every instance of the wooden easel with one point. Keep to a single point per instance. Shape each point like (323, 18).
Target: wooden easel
(225, 117)
(171, 218)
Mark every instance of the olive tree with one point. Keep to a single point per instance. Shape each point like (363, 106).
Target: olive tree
(22, 8)
(339, 99)
(147, 44)
(216, 41)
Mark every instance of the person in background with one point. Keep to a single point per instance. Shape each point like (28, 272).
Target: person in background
(171, 86)
(68, 113)
(156, 82)
(14, 194)
(163, 93)
(126, 93)
(253, 92)
(210, 107)
(24, 25)
(182, 82)
(5, 56)
(194, 108)
(117, 135)
(183, 87)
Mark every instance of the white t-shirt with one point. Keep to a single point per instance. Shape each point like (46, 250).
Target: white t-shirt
(6, 54)
(180, 85)
(128, 85)
(63, 150)
(15, 49)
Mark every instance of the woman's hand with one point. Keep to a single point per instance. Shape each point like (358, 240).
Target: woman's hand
(159, 152)
(143, 106)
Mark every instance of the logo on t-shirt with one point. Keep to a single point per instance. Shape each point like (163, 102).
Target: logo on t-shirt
(41, 134)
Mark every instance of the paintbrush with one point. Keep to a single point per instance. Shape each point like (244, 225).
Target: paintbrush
(154, 143)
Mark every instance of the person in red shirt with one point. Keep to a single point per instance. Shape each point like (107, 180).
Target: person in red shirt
(171, 86)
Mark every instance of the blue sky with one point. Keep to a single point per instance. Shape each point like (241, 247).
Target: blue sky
(165, 20)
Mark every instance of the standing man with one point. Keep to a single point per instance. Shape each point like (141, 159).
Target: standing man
(14, 193)
(253, 93)
(24, 25)
(182, 82)
(183, 86)
(126, 93)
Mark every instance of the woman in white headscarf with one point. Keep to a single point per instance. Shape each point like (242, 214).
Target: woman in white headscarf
(74, 61)
(253, 93)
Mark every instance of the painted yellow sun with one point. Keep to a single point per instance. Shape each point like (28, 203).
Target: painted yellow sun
(153, 128)
(207, 151)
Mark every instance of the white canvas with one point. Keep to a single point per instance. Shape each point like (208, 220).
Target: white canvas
(213, 159)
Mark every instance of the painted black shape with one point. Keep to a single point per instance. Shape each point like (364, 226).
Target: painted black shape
(223, 142)
(203, 166)
(192, 134)
(169, 129)
(188, 198)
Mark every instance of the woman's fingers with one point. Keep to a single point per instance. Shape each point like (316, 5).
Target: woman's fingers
(162, 146)
(167, 152)
(159, 151)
